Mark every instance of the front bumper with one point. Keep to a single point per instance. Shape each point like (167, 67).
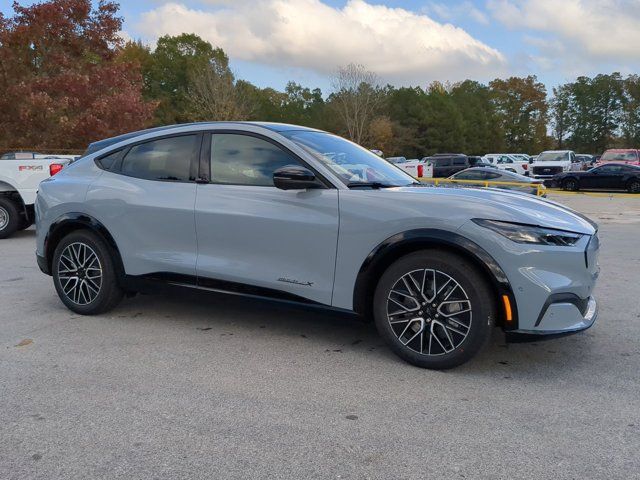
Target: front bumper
(559, 318)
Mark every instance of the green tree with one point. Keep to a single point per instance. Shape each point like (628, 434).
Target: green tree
(561, 113)
(596, 112)
(481, 131)
(522, 110)
(631, 112)
(176, 61)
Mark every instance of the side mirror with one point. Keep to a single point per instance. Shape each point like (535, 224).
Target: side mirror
(295, 177)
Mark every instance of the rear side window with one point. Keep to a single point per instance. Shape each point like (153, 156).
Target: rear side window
(459, 161)
(442, 162)
(107, 162)
(493, 176)
(470, 175)
(245, 160)
(167, 159)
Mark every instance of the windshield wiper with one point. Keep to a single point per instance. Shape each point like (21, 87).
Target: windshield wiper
(374, 185)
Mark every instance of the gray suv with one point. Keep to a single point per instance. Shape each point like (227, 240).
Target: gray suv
(295, 214)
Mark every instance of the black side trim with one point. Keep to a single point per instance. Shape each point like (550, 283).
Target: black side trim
(411, 240)
(581, 303)
(154, 282)
(73, 221)
(517, 337)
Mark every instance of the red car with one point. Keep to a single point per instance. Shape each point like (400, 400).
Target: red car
(621, 155)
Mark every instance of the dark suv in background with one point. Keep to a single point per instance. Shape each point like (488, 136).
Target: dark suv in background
(446, 164)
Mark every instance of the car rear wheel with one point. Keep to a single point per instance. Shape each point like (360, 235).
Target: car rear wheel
(570, 184)
(634, 186)
(84, 274)
(9, 217)
(434, 309)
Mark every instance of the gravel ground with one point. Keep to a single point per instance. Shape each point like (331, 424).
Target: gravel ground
(206, 386)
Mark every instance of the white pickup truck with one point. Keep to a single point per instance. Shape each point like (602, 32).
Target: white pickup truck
(552, 162)
(416, 168)
(20, 175)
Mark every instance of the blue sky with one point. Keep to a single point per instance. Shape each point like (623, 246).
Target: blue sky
(411, 42)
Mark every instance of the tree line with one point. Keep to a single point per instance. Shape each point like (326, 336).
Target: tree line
(66, 90)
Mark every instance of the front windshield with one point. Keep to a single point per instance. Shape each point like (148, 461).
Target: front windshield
(619, 156)
(350, 162)
(553, 157)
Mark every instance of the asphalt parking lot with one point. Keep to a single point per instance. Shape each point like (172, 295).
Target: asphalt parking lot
(207, 386)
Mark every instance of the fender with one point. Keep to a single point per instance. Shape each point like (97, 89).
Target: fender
(5, 186)
(72, 221)
(402, 243)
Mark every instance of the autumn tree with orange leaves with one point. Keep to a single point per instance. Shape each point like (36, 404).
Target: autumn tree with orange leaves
(60, 83)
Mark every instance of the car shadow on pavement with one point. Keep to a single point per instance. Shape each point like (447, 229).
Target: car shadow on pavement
(334, 331)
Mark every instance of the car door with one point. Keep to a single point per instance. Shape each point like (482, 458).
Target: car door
(601, 177)
(252, 233)
(145, 198)
(443, 167)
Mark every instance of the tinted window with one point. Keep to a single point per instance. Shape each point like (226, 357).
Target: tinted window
(493, 176)
(107, 161)
(164, 159)
(629, 156)
(441, 162)
(610, 169)
(469, 175)
(246, 160)
(459, 161)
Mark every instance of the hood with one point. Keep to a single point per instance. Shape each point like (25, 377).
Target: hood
(498, 205)
(558, 163)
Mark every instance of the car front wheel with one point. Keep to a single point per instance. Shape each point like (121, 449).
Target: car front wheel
(434, 309)
(570, 184)
(84, 274)
(634, 186)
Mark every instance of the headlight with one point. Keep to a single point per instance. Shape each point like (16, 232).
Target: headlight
(520, 233)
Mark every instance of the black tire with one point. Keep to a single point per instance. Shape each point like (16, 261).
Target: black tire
(109, 293)
(570, 184)
(634, 186)
(9, 217)
(25, 224)
(470, 284)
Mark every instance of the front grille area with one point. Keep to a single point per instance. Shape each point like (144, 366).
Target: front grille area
(546, 170)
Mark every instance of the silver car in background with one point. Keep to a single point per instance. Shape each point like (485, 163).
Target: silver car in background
(295, 214)
(511, 181)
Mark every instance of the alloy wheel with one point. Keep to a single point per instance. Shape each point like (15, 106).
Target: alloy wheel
(429, 312)
(4, 218)
(633, 188)
(80, 273)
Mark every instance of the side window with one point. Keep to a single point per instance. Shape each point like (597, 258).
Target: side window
(609, 169)
(163, 159)
(107, 161)
(443, 162)
(491, 175)
(466, 176)
(459, 161)
(245, 160)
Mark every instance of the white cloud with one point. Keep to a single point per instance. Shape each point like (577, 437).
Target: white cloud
(454, 11)
(401, 46)
(590, 30)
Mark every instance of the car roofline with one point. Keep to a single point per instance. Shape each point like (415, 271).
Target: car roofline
(272, 126)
